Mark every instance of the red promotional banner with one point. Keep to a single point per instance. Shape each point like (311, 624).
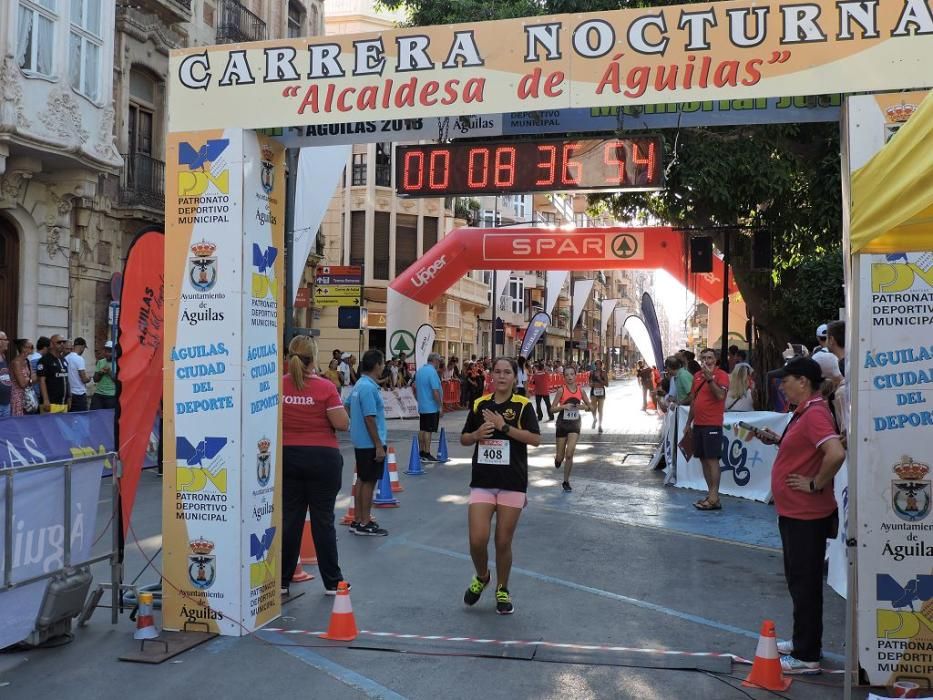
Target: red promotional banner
(139, 358)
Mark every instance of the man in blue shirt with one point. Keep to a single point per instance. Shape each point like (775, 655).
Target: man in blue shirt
(369, 438)
(430, 395)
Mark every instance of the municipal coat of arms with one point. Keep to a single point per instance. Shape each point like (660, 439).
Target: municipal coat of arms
(910, 492)
(202, 569)
(202, 266)
(263, 462)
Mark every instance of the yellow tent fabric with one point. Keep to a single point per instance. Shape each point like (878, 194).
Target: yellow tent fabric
(892, 194)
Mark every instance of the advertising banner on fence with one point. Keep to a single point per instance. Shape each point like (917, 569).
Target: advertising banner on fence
(746, 461)
(686, 53)
(39, 533)
(223, 292)
(893, 414)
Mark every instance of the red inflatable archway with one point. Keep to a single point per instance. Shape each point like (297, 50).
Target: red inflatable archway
(467, 249)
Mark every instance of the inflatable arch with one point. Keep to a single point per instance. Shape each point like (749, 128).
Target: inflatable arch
(466, 249)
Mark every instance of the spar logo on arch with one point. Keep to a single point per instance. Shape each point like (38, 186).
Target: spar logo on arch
(595, 246)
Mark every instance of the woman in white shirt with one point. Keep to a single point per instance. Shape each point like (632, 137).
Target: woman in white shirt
(739, 396)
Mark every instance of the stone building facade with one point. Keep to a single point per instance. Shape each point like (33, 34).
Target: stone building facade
(82, 140)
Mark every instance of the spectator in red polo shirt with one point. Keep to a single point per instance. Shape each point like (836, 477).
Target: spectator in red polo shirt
(312, 465)
(707, 407)
(808, 458)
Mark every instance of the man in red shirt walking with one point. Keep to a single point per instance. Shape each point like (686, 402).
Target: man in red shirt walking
(707, 407)
(808, 458)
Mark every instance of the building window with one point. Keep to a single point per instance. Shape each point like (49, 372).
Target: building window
(406, 241)
(359, 169)
(296, 20)
(357, 237)
(383, 165)
(35, 35)
(520, 206)
(490, 218)
(142, 112)
(208, 14)
(85, 45)
(429, 233)
(381, 245)
(517, 292)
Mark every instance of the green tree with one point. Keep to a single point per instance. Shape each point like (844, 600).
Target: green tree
(783, 178)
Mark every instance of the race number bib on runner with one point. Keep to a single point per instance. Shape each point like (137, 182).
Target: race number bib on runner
(494, 452)
(598, 391)
(571, 414)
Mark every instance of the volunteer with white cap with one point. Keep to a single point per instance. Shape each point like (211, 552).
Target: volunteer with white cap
(821, 333)
(105, 389)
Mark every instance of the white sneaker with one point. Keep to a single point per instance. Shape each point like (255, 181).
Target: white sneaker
(792, 666)
(785, 647)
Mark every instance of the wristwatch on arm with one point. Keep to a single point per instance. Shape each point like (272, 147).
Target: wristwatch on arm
(505, 429)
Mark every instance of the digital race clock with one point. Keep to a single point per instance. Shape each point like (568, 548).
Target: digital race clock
(528, 166)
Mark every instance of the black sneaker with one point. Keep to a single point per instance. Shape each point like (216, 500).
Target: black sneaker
(353, 525)
(371, 529)
(475, 590)
(504, 601)
(333, 591)
(557, 463)
(566, 486)
(428, 457)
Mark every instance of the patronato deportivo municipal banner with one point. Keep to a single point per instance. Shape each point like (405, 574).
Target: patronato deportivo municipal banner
(223, 292)
(695, 52)
(893, 403)
(746, 461)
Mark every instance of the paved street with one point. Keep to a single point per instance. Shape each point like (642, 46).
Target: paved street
(621, 561)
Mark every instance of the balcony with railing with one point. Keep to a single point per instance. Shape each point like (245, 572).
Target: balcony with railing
(237, 24)
(142, 182)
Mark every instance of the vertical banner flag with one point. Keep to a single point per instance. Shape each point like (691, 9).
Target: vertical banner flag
(319, 171)
(650, 317)
(502, 280)
(536, 328)
(139, 358)
(581, 292)
(554, 282)
(223, 295)
(607, 307)
(892, 412)
(424, 343)
(641, 337)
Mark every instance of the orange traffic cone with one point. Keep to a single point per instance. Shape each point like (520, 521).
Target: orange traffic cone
(393, 472)
(350, 517)
(308, 553)
(342, 623)
(766, 670)
(145, 622)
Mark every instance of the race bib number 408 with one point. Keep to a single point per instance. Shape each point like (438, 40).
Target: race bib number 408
(494, 452)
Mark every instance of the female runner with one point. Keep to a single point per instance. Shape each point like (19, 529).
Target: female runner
(501, 425)
(599, 380)
(567, 403)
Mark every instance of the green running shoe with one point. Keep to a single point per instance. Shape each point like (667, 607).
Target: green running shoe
(477, 586)
(504, 601)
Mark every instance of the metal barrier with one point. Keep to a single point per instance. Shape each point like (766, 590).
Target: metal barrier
(68, 567)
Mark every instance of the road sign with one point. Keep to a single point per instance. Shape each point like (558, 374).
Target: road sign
(320, 301)
(334, 290)
(337, 279)
(114, 315)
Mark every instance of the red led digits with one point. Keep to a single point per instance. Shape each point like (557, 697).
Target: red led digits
(416, 158)
(572, 171)
(439, 170)
(505, 166)
(529, 166)
(646, 161)
(473, 182)
(550, 166)
(614, 157)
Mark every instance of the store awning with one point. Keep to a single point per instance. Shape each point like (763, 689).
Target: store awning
(892, 194)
